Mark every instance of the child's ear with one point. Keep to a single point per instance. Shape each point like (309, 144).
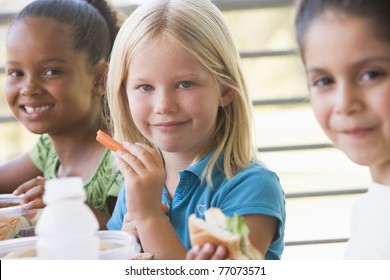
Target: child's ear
(227, 96)
(100, 78)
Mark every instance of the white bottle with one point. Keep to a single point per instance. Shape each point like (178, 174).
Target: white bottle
(67, 227)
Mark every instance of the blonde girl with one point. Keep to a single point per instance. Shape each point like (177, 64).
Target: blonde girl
(179, 102)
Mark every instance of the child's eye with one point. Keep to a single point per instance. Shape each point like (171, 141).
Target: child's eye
(322, 82)
(371, 75)
(52, 72)
(185, 84)
(14, 73)
(146, 88)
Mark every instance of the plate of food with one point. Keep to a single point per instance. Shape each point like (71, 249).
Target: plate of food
(15, 221)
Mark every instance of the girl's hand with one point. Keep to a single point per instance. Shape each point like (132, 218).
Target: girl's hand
(144, 173)
(129, 225)
(207, 252)
(33, 191)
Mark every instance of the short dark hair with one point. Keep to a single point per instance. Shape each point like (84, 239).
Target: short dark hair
(375, 11)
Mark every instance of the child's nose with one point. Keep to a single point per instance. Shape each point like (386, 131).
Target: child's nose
(348, 99)
(29, 88)
(165, 101)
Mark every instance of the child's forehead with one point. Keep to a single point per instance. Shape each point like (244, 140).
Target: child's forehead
(349, 40)
(159, 40)
(335, 23)
(40, 40)
(340, 16)
(172, 46)
(46, 23)
(36, 30)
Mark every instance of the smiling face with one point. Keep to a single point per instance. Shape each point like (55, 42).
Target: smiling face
(48, 85)
(173, 99)
(348, 69)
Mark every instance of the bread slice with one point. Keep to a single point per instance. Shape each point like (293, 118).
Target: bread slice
(9, 227)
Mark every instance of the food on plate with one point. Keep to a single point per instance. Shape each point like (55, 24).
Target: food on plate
(109, 142)
(24, 222)
(9, 227)
(33, 217)
(11, 208)
(29, 219)
(230, 232)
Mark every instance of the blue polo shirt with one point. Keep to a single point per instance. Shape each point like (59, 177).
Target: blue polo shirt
(254, 190)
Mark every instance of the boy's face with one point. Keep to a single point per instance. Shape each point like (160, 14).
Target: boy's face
(348, 70)
(48, 85)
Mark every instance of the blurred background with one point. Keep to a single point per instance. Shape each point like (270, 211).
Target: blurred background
(320, 183)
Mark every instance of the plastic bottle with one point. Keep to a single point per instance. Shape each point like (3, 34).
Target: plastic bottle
(67, 227)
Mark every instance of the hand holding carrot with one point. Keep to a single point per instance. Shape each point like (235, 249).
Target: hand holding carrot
(143, 169)
(115, 146)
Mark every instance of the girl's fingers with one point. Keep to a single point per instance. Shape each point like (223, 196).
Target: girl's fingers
(133, 162)
(25, 187)
(156, 156)
(35, 204)
(129, 225)
(123, 165)
(220, 254)
(207, 252)
(33, 194)
(149, 156)
(193, 252)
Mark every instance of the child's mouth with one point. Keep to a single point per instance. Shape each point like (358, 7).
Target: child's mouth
(38, 109)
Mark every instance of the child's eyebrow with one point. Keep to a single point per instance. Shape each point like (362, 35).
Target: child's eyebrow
(313, 70)
(185, 76)
(372, 59)
(358, 63)
(55, 59)
(190, 75)
(46, 60)
(11, 62)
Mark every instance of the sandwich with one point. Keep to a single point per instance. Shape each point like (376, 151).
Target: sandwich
(230, 232)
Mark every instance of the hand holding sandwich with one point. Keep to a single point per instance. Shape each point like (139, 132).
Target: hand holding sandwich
(220, 237)
(207, 252)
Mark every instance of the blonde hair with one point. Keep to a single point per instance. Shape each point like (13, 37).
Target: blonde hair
(200, 28)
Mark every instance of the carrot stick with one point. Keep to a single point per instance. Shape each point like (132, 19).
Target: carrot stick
(114, 145)
(109, 142)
